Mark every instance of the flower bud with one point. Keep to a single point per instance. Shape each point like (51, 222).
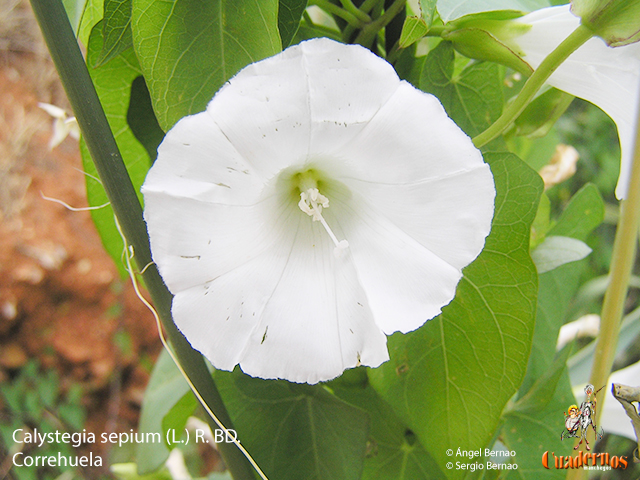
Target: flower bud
(489, 36)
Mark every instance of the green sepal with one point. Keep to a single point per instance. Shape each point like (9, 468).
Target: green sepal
(617, 22)
(414, 29)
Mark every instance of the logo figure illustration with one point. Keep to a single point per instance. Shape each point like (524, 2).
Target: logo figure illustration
(582, 418)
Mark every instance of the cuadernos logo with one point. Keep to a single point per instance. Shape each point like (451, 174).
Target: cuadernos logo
(586, 460)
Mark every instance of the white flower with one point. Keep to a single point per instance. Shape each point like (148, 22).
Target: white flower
(318, 203)
(63, 125)
(607, 77)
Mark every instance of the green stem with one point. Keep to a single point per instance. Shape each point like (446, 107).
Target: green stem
(436, 30)
(84, 100)
(368, 5)
(533, 84)
(369, 31)
(329, 7)
(355, 11)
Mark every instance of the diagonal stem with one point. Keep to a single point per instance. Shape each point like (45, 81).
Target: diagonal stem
(369, 31)
(82, 95)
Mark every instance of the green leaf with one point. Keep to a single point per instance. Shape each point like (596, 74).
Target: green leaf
(177, 417)
(473, 98)
(580, 363)
(582, 215)
(188, 48)
(91, 15)
(584, 212)
(113, 83)
(428, 11)
(289, 16)
(393, 451)
(116, 29)
(541, 114)
(414, 29)
(540, 394)
(166, 387)
(555, 251)
(452, 9)
(532, 432)
(295, 431)
(449, 380)
(542, 223)
(74, 9)
(306, 32)
(128, 471)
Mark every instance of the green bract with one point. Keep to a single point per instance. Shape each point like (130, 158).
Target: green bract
(615, 21)
(489, 36)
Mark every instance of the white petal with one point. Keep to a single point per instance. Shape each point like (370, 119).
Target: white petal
(406, 284)
(410, 139)
(299, 98)
(208, 240)
(296, 301)
(54, 111)
(201, 199)
(196, 160)
(218, 317)
(607, 77)
(318, 315)
(60, 132)
(448, 216)
(264, 112)
(342, 98)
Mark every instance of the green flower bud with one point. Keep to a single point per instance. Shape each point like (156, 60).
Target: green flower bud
(489, 36)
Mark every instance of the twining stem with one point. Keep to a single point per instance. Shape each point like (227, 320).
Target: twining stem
(369, 31)
(369, 5)
(82, 95)
(349, 6)
(533, 84)
(329, 7)
(622, 260)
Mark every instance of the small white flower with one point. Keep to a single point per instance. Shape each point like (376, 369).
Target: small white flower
(63, 125)
(607, 77)
(318, 203)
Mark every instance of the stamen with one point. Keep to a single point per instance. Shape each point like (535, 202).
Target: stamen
(312, 202)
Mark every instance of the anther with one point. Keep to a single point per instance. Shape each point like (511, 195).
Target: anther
(312, 202)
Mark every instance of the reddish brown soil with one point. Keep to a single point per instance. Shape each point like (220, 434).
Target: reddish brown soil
(61, 299)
